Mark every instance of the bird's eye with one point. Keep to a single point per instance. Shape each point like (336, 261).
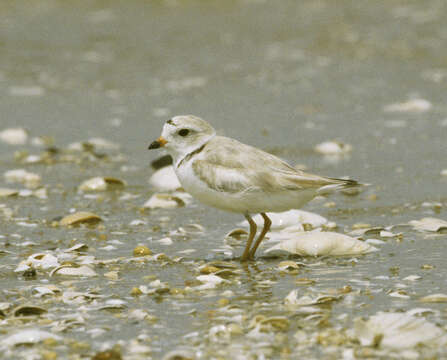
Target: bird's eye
(183, 132)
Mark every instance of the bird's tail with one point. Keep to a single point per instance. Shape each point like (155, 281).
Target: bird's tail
(339, 184)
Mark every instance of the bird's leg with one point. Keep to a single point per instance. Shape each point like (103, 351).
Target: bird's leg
(253, 229)
(267, 224)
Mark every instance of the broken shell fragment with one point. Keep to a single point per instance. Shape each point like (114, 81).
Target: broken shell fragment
(288, 266)
(237, 234)
(318, 243)
(307, 300)
(429, 224)
(81, 217)
(163, 201)
(101, 184)
(38, 261)
(67, 270)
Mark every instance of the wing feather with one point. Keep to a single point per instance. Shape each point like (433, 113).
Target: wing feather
(230, 166)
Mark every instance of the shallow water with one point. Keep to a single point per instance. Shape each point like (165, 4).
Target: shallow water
(281, 75)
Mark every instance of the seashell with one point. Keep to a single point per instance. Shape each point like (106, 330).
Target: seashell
(101, 184)
(398, 331)
(165, 179)
(287, 266)
(333, 148)
(113, 304)
(192, 228)
(361, 230)
(163, 201)
(165, 241)
(306, 300)
(290, 218)
(38, 261)
(28, 310)
(30, 180)
(141, 250)
(80, 217)
(412, 106)
(208, 269)
(14, 136)
(317, 243)
(5, 192)
(237, 234)
(278, 323)
(434, 298)
(180, 354)
(429, 224)
(40, 291)
(67, 270)
(78, 248)
(304, 281)
(103, 144)
(4, 307)
(28, 336)
(412, 278)
(209, 281)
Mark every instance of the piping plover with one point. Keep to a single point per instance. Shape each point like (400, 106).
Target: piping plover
(226, 174)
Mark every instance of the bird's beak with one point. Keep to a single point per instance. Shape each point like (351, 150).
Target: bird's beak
(160, 142)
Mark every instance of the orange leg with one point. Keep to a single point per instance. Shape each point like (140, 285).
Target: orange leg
(267, 224)
(253, 228)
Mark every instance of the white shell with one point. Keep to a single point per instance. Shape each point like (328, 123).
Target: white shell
(165, 179)
(333, 148)
(397, 331)
(434, 298)
(209, 281)
(83, 270)
(317, 243)
(38, 261)
(14, 136)
(28, 336)
(30, 180)
(163, 201)
(429, 224)
(413, 105)
(100, 183)
(292, 217)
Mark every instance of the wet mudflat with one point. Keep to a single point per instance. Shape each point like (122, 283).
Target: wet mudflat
(98, 260)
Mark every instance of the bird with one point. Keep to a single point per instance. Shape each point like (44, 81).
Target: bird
(226, 174)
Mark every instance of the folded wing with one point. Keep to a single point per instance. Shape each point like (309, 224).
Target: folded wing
(233, 167)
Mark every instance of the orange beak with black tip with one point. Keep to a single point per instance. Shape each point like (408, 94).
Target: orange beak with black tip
(160, 142)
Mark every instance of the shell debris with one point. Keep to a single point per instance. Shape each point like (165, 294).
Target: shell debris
(80, 217)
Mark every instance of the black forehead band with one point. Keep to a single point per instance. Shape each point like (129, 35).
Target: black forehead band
(170, 122)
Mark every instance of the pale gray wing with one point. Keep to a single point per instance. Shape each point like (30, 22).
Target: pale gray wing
(231, 166)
